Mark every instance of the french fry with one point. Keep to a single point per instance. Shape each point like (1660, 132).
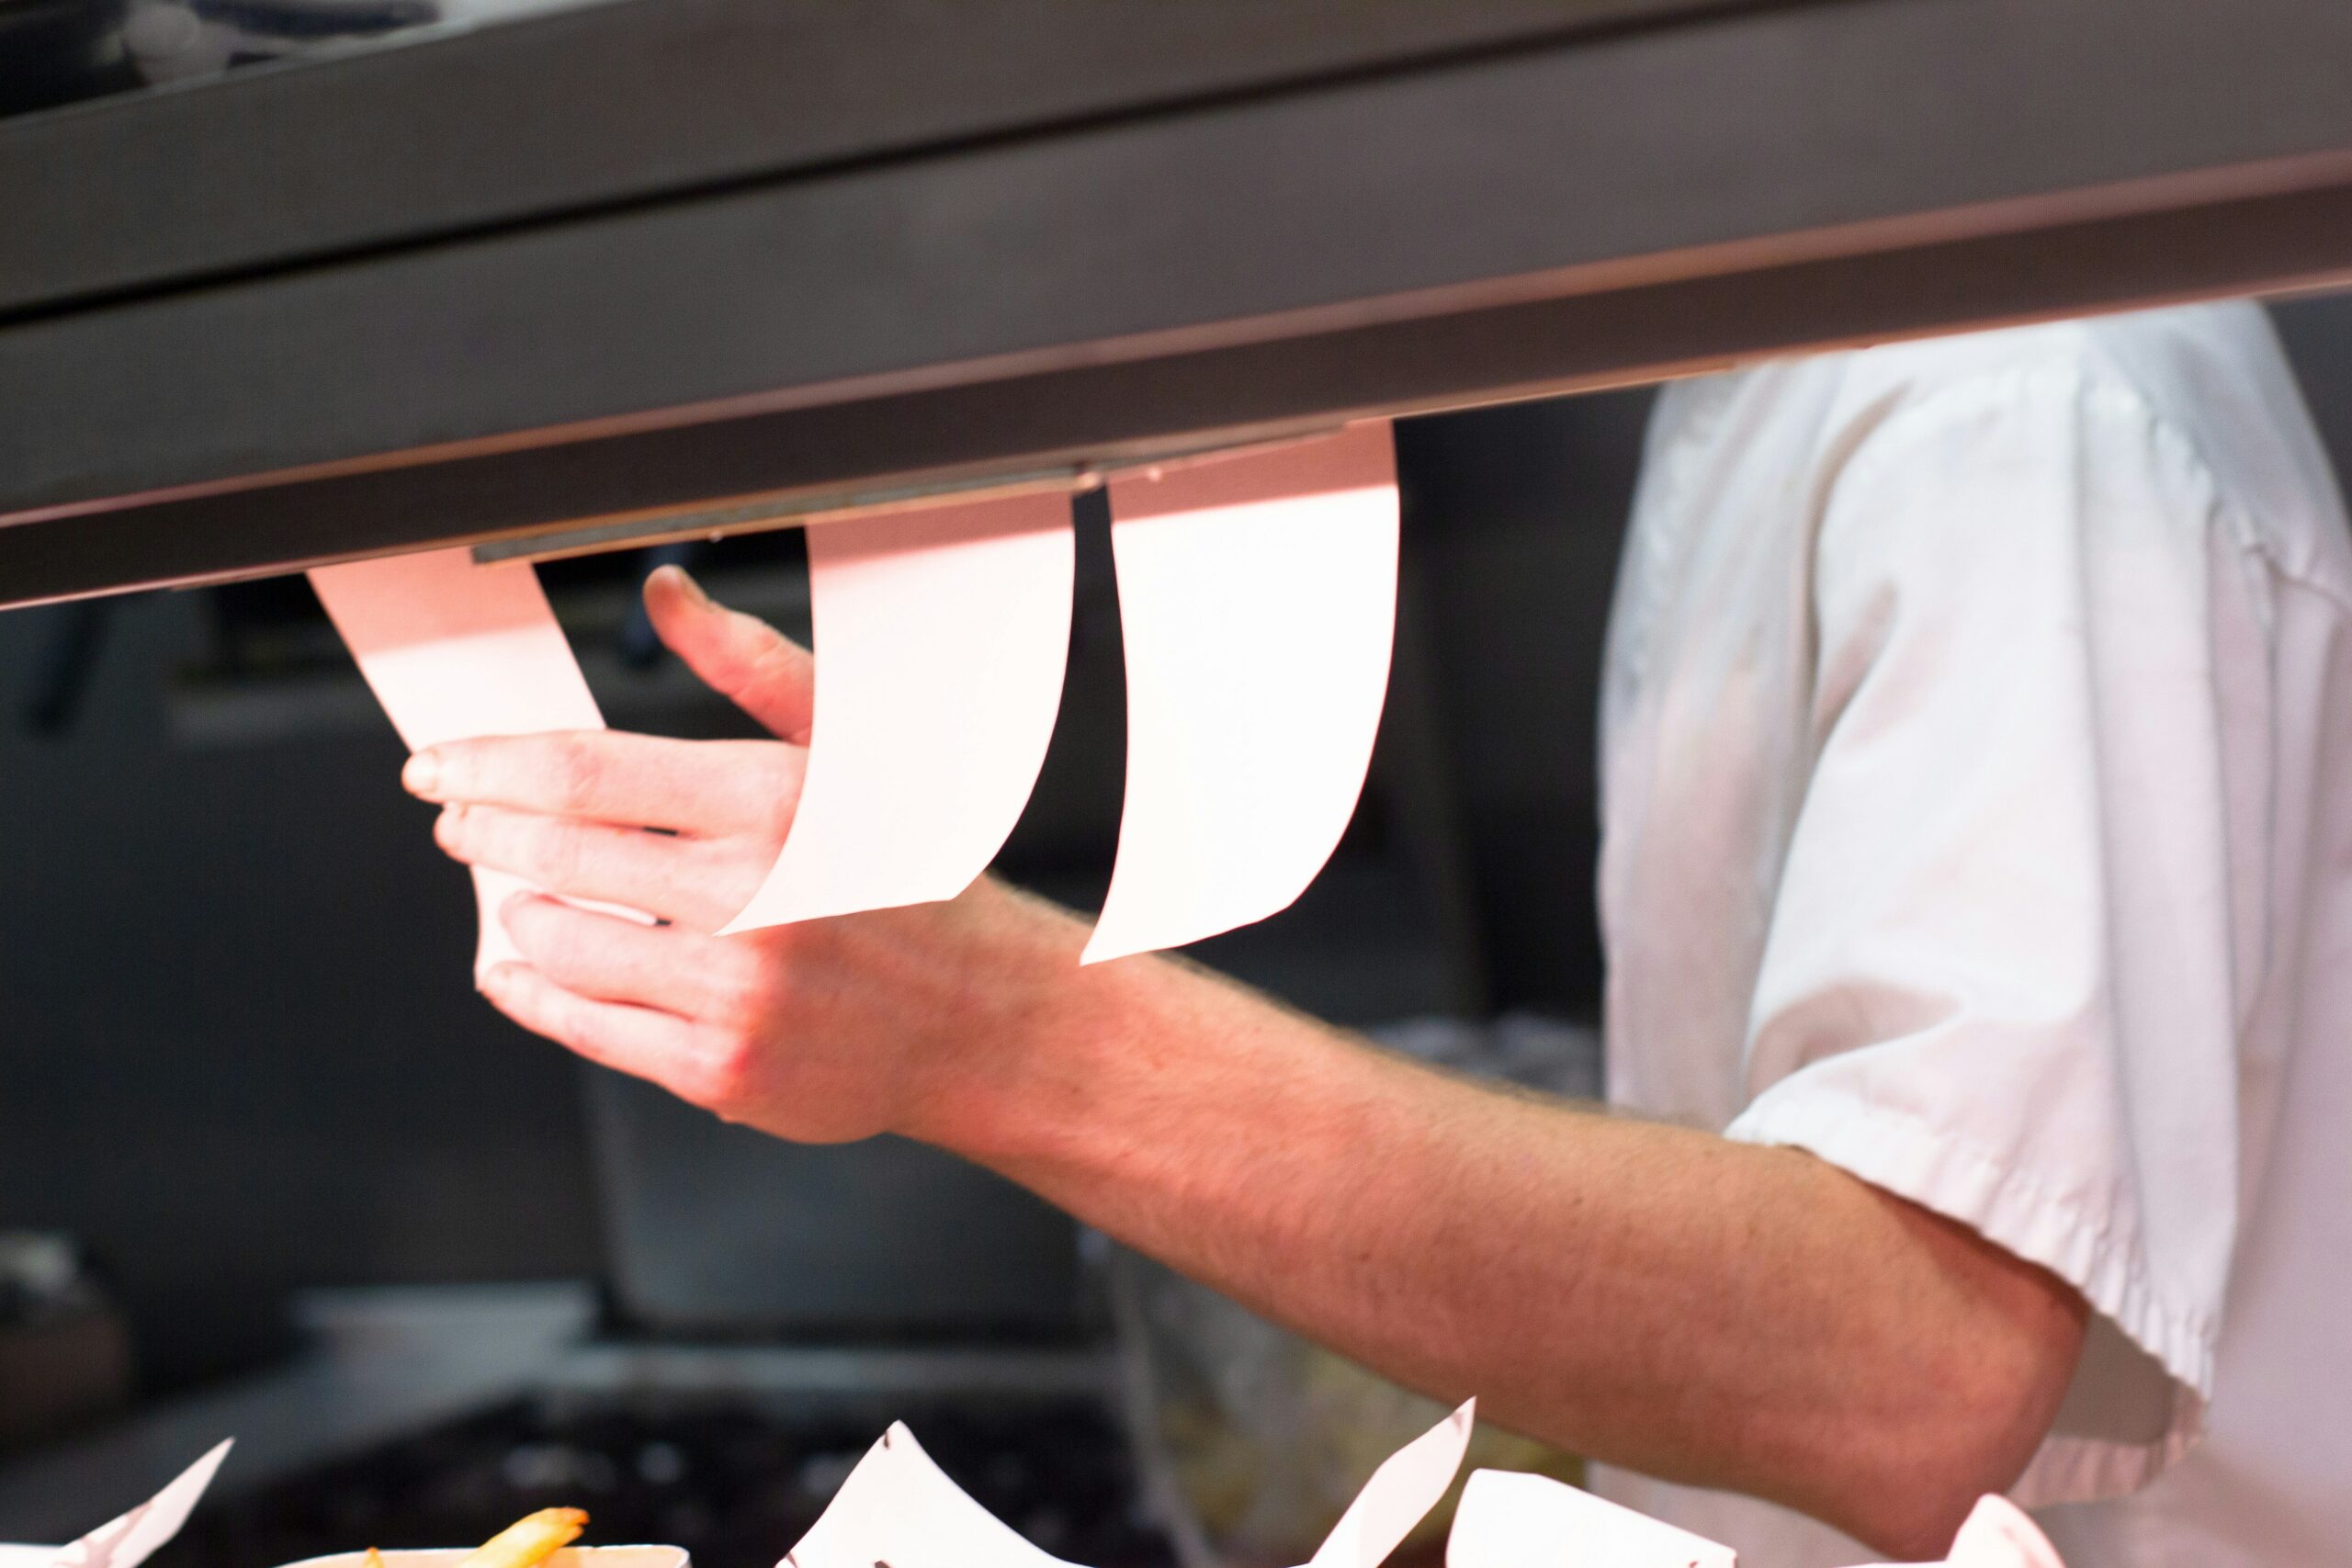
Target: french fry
(528, 1541)
(375, 1559)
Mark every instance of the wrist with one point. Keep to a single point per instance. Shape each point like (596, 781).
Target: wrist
(1004, 1068)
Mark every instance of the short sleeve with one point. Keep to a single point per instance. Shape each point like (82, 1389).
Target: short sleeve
(2012, 946)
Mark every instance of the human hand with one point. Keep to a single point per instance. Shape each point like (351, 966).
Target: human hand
(823, 1031)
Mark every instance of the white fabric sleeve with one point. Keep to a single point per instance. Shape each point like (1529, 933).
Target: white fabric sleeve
(2014, 938)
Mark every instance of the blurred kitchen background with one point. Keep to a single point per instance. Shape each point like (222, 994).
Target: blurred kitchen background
(244, 1066)
(269, 1166)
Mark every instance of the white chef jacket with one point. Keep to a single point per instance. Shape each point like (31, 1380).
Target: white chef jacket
(1977, 782)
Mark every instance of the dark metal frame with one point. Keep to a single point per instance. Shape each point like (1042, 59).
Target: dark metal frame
(604, 106)
(1550, 211)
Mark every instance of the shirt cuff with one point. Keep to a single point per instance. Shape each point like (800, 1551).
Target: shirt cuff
(1913, 1158)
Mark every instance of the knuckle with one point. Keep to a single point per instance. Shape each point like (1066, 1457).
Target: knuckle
(770, 989)
(755, 968)
(730, 987)
(578, 772)
(779, 664)
(719, 876)
(729, 1067)
(748, 1003)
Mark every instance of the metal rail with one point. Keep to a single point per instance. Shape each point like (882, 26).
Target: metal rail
(1573, 209)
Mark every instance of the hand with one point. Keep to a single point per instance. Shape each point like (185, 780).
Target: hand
(1750, 1317)
(822, 1032)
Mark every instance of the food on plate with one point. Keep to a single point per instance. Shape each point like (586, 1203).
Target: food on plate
(527, 1543)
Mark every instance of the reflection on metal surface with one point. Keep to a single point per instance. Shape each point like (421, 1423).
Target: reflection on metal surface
(779, 511)
(56, 52)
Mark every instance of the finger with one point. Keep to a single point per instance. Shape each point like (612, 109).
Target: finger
(743, 658)
(697, 882)
(608, 959)
(659, 1047)
(709, 787)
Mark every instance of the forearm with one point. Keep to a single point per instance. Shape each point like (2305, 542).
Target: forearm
(1714, 1313)
(1742, 1317)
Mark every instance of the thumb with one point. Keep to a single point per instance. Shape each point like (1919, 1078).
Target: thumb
(743, 658)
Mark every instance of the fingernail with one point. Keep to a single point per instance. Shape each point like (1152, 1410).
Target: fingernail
(694, 590)
(422, 775)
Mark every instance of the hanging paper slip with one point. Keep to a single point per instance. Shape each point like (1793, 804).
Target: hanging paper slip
(941, 639)
(455, 650)
(1258, 602)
